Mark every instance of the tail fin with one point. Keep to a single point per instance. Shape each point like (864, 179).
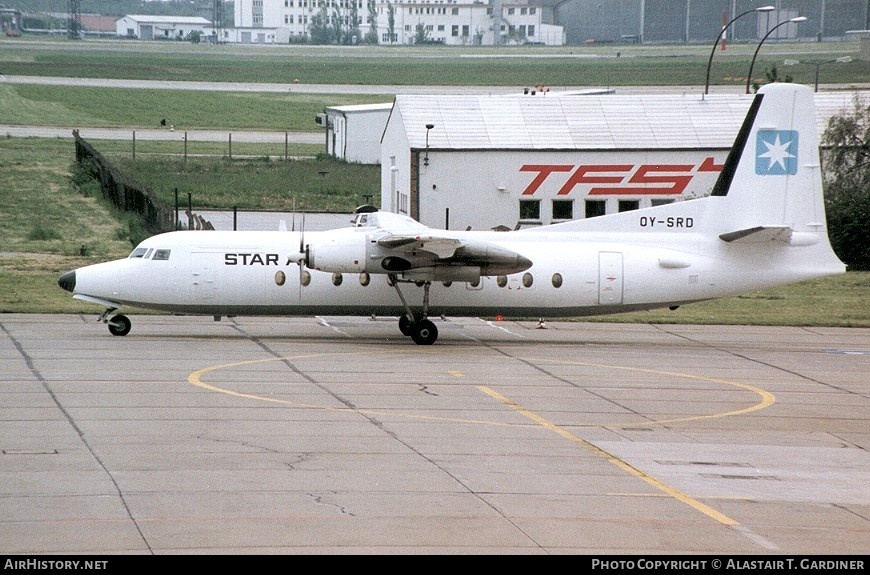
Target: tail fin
(770, 190)
(772, 177)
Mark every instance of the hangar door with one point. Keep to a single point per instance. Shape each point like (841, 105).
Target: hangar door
(609, 278)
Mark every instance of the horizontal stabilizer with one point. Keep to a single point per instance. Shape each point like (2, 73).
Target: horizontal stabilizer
(758, 234)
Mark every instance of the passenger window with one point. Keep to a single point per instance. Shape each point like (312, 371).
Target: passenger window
(161, 254)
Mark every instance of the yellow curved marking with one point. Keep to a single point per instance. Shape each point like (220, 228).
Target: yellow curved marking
(675, 493)
(767, 398)
(195, 378)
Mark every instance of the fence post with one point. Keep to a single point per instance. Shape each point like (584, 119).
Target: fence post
(134, 144)
(175, 225)
(231, 145)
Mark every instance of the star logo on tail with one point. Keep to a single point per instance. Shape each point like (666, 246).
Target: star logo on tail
(776, 152)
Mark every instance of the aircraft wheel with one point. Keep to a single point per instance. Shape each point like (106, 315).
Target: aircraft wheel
(406, 326)
(425, 332)
(119, 325)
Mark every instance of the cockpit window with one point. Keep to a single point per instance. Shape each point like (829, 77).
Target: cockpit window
(138, 253)
(161, 255)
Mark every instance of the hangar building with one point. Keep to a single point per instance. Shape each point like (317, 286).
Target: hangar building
(519, 160)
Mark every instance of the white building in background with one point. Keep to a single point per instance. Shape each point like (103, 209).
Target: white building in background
(450, 22)
(353, 133)
(161, 27)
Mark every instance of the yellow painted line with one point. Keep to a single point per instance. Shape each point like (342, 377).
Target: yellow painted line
(667, 489)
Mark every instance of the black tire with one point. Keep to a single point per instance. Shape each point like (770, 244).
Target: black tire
(425, 332)
(406, 326)
(119, 325)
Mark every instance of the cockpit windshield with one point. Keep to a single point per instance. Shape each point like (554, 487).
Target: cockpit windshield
(150, 253)
(139, 253)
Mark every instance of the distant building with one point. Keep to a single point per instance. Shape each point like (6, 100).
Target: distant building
(450, 22)
(557, 22)
(161, 27)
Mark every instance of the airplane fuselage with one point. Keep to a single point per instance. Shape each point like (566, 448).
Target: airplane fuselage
(250, 273)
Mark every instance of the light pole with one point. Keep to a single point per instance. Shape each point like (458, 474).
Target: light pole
(769, 32)
(724, 28)
(840, 60)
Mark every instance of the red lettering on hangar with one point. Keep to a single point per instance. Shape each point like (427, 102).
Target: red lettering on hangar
(619, 179)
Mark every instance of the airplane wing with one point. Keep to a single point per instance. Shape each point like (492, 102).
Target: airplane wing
(397, 244)
(440, 247)
(433, 256)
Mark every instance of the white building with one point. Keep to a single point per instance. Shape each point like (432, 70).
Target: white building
(451, 22)
(353, 133)
(487, 161)
(161, 27)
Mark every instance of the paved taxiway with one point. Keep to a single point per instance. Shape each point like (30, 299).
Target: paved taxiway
(337, 435)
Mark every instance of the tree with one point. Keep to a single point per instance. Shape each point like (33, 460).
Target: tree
(391, 22)
(772, 76)
(421, 34)
(319, 30)
(337, 28)
(846, 165)
(372, 34)
(353, 35)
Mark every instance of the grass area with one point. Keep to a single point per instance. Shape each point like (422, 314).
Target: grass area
(575, 66)
(83, 106)
(42, 214)
(613, 65)
(322, 184)
(155, 149)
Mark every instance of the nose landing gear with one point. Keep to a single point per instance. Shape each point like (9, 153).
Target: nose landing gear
(118, 325)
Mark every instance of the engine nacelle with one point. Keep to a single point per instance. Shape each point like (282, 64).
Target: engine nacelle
(338, 252)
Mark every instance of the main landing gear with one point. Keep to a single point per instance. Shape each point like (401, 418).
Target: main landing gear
(418, 326)
(118, 325)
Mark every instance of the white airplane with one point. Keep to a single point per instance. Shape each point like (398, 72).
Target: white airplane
(762, 226)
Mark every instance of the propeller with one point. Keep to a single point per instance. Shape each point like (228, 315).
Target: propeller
(301, 256)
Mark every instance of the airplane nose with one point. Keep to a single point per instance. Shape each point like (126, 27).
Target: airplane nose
(68, 281)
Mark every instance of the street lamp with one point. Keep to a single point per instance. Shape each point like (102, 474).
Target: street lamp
(769, 32)
(724, 28)
(840, 60)
(426, 157)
